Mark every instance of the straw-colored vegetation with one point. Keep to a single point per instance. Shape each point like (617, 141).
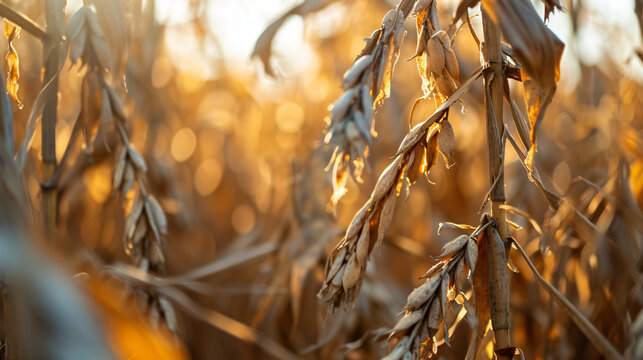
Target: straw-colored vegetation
(425, 190)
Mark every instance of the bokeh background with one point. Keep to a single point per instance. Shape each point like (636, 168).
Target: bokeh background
(236, 158)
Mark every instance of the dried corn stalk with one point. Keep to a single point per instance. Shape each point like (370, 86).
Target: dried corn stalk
(366, 83)
(101, 109)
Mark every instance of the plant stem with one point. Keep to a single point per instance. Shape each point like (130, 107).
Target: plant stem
(496, 255)
(23, 21)
(51, 55)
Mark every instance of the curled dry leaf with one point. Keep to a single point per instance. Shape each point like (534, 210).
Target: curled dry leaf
(12, 32)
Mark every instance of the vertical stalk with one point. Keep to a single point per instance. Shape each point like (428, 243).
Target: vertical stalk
(496, 256)
(51, 58)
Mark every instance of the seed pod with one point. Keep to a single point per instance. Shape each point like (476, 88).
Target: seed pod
(445, 85)
(432, 149)
(101, 48)
(353, 73)
(92, 22)
(128, 178)
(443, 305)
(434, 317)
(472, 255)
(117, 104)
(337, 280)
(141, 231)
(155, 210)
(340, 107)
(132, 217)
(169, 314)
(119, 170)
(351, 274)
(337, 263)
(417, 165)
(446, 142)
(78, 46)
(420, 6)
(137, 158)
(422, 293)
(75, 24)
(388, 208)
(389, 18)
(454, 246)
(386, 180)
(409, 319)
(452, 64)
(360, 122)
(460, 276)
(352, 134)
(156, 254)
(436, 58)
(444, 39)
(398, 351)
(363, 243)
(398, 33)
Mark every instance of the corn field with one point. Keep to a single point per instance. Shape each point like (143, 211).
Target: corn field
(321, 179)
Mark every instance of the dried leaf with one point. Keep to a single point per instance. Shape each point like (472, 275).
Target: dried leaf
(537, 101)
(12, 31)
(535, 46)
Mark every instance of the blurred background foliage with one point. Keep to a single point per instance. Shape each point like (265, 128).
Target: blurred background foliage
(236, 160)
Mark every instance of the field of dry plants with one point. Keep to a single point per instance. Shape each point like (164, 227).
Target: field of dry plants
(395, 179)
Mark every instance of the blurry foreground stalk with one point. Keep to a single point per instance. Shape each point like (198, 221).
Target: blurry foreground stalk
(51, 58)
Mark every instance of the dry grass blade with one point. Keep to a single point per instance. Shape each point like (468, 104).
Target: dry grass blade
(579, 319)
(220, 321)
(228, 262)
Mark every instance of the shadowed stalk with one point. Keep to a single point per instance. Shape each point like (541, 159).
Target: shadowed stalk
(51, 57)
(497, 258)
